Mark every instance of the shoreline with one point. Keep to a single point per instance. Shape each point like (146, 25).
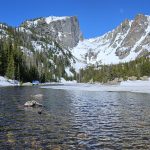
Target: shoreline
(137, 86)
(128, 86)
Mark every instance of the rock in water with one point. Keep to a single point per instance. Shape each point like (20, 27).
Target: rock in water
(37, 96)
(32, 104)
(40, 112)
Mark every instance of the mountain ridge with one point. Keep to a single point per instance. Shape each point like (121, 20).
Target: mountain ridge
(65, 30)
(125, 43)
(55, 48)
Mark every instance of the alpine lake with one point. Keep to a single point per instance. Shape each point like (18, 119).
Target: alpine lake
(73, 120)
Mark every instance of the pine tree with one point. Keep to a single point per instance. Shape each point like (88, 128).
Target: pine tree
(10, 72)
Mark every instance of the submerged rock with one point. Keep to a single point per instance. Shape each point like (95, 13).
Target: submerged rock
(32, 104)
(40, 112)
(82, 135)
(37, 96)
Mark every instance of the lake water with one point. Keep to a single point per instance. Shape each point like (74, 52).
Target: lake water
(74, 120)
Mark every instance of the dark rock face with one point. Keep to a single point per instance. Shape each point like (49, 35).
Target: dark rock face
(136, 36)
(136, 32)
(65, 30)
(122, 30)
(134, 40)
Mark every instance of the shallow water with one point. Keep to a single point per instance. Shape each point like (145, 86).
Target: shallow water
(74, 120)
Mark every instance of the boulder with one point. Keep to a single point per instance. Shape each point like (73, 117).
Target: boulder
(27, 84)
(37, 96)
(144, 78)
(32, 104)
(132, 78)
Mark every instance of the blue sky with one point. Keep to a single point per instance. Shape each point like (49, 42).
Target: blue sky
(96, 16)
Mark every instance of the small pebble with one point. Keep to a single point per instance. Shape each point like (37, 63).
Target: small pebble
(39, 112)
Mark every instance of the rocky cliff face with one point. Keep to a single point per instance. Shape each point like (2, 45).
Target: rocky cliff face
(137, 36)
(64, 30)
(131, 39)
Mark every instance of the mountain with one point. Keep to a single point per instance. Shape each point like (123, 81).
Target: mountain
(51, 48)
(130, 40)
(43, 46)
(64, 30)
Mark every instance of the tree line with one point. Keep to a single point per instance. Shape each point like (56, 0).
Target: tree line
(104, 73)
(21, 61)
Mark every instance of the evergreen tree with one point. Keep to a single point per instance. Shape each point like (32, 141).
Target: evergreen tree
(10, 72)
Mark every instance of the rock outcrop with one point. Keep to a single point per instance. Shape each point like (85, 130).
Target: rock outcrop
(64, 30)
(136, 35)
(32, 104)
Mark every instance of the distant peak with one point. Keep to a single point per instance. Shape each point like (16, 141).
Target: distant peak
(54, 18)
(48, 20)
(140, 17)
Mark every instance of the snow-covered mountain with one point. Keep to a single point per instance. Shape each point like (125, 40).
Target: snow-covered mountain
(45, 44)
(55, 44)
(65, 30)
(130, 40)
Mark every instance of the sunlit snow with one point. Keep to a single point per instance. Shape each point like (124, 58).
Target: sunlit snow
(125, 86)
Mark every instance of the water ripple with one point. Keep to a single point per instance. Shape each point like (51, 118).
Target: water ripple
(74, 120)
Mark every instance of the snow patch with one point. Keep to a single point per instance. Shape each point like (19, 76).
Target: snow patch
(125, 86)
(54, 18)
(22, 29)
(67, 82)
(26, 51)
(8, 82)
(69, 73)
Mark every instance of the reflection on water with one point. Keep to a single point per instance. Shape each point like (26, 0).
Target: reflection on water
(74, 120)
